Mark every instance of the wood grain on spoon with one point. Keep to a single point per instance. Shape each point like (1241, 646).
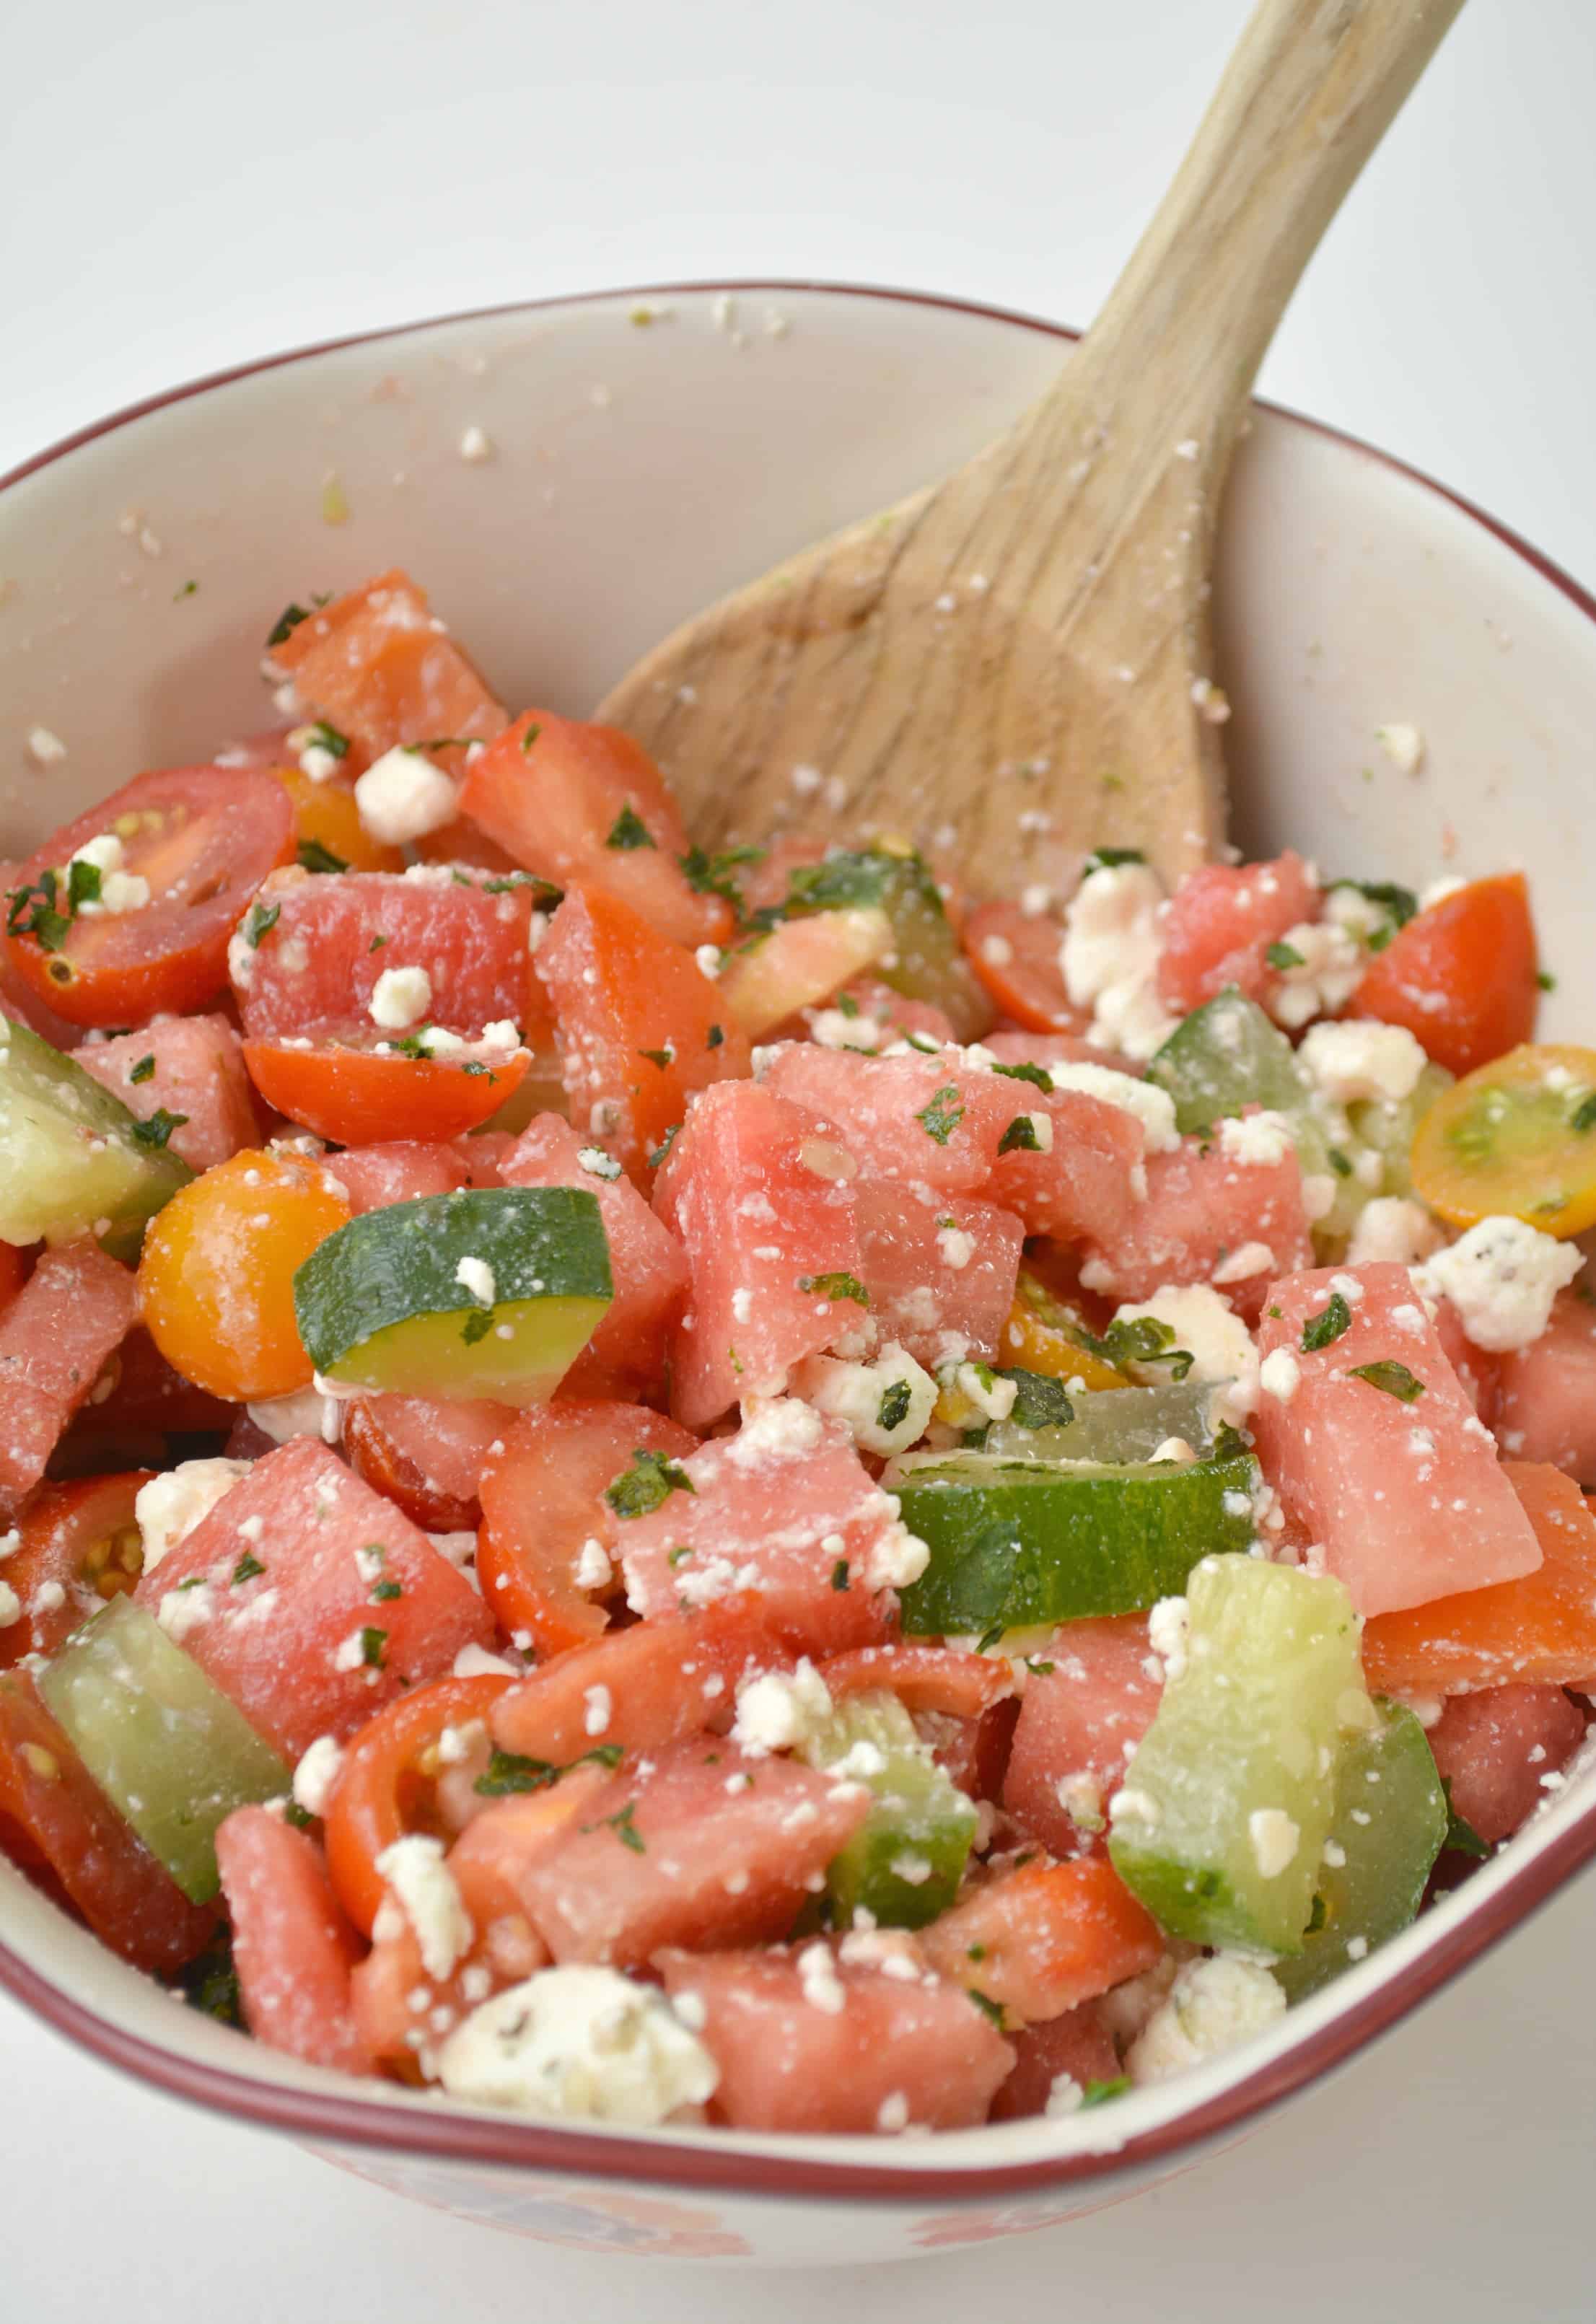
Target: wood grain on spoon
(1016, 663)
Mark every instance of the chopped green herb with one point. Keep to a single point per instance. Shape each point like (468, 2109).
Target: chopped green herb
(987, 2005)
(625, 1830)
(262, 919)
(975, 1953)
(287, 621)
(1099, 2093)
(711, 875)
(1109, 859)
(1390, 1378)
(314, 857)
(376, 943)
(1143, 1341)
(1021, 1137)
(647, 1484)
(629, 831)
(1037, 1075)
(835, 1287)
(658, 1158)
(211, 1984)
(989, 1638)
(326, 738)
(476, 1326)
(247, 1567)
(661, 1058)
(530, 737)
(839, 1574)
(387, 1589)
(1401, 903)
(893, 1408)
(33, 913)
(1340, 1163)
(83, 883)
(156, 1131)
(943, 1115)
(1328, 1325)
(1547, 982)
(1585, 1114)
(373, 1644)
(187, 590)
(713, 1038)
(1282, 956)
(300, 1818)
(1038, 1402)
(507, 1773)
(1460, 1834)
(847, 1005)
(144, 1070)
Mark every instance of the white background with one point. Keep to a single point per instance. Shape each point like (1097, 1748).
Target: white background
(185, 187)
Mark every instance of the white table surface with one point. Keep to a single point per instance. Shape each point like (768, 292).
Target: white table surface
(183, 187)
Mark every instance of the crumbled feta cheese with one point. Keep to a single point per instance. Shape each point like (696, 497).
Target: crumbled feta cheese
(1214, 1335)
(475, 1662)
(774, 1428)
(475, 445)
(1169, 1628)
(1214, 2003)
(306, 1413)
(1275, 1839)
(11, 1541)
(597, 1710)
(1390, 1227)
(476, 1277)
(781, 1709)
(399, 996)
(169, 1506)
(1257, 1138)
(439, 1042)
(711, 959)
(502, 1033)
(183, 1610)
(834, 1029)
(11, 1606)
(898, 1557)
(316, 1773)
(1327, 971)
(863, 1396)
(1279, 1375)
(1438, 892)
(1176, 1449)
(583, 2041)
(402, 796)
(430, 1898)
(1502, 1278)
(1404, 745)
(597, 1162)
(1360, 1057)
(1109, 956)
(591, 1569)
(44, 748)
(1152, 1107)
(822, 1990)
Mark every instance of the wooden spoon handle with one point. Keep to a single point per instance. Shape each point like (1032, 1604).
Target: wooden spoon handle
(1309, 91)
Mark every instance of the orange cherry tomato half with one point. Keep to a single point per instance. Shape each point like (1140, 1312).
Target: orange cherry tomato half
(326, 818)
(1015, 954)
(385, 1786)
(203, 838)
(360, 1097)
(1463, 977)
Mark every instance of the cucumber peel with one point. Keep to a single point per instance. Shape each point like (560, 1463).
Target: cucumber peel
(492, 1291)
(904, 1864)
(172, 1755)
(71, 1160)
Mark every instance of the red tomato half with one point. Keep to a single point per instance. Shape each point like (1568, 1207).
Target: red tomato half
(1462, 976)
(205, 838)
(1015, 954)
(358, 1097)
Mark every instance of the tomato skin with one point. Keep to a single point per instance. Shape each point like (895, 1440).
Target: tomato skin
(543, 1497)
(1028, 985)
(217, 831)
(62, 1527)
(924, 1678)
(215, 1279)
(379, 1792)
(357, 1097)
(54, 1819)
(424, 1455)
(1462, 976)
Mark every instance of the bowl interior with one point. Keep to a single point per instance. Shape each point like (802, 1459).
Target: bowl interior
(649, 453)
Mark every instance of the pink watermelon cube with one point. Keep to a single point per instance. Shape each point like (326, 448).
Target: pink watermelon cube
(1055, 2062)
(787, 1509)
(699, 1846)
(940, 1271)
(402, 1171)
(625, 1357)
(849, 2036)
(1079, 1723)
(343, 1605)
(1547, 1402)
(292, 1947)
(761, 1196)
(69, 1317)
(1399, 1492)
(934, 1121)
(1207, 1217)
(191, 1065)
(1083, 1184)
(1220, 922)
(1494, 1747)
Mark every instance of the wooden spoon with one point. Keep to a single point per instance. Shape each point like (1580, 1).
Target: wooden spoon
(1015, 664)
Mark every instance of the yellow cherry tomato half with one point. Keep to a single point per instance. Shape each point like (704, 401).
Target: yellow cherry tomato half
(1516, 1138)
(327, 828)
(215, 1279)
(1043, 1335)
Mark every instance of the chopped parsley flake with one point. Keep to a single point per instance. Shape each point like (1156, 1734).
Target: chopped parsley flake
(629, 831)
(1584, 1114)
(1021, 1137)
(839, 1574)
(476, 1326)
(1099, 2093)
(1282, 956)
(262, 918)
(314, 857)
(247, 1567)
(647, 1484)
(943, 1115)
(1037, 1075)
(156, 1131)
(713, 1038)
(658, 1158)
(1039, 1402)
(1391, 1379)
(387, 1589)
(893, 1409)
(33, 913)
(835, 1287)
(530, 737)
(661, 1058)
(1328, 1325)
(144, 1070)
(326, 738)
(1109, 859)
(373, 1645)
(1340, 1163)
(287, 621)
(987, 2005)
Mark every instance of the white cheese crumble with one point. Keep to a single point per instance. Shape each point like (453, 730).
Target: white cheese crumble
(316, 1773)
(183, 1610)
(1169, 1628)
(597, 1162)
(120, 891)
(774, 1428)
(1274, 1837)
(1214, 2003)
(399, 996)
(1214, 1335)
(1403, 744)
(45, 748)
(1327, 971)
(864, 1397)
(475, 445)
(583, 2041)
(430, 1898)
(1392, 1227)
(1263, 1139)
(1360, 1057)
(1152, 1107)
(11, 1606)
(598, 1708)
(476, 1277)
(781, 1709)
(169, 1506)
(306, 1413)
(591, 1569)
(1502, 1278)
(402, 796)
(1247, 1259)
(822, 1990)
(1110, 957)
(1279, 1375)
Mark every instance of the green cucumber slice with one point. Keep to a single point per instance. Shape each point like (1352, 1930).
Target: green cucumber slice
(926, 961)
(1225, 1056)
(1116, 1425)
(70, 1152)
(169, 1750)
(1015, 1543)
(1391, 1125)
(1388, 1828)
(1226, 1806)
(382, 1303)
(904, 1864)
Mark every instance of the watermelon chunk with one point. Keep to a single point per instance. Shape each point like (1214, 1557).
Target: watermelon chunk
(1084, 1185)
(401, 1171)
(762, 1197)
(933, 1121)
(1404, 1497)
(1053, 2062)
(304, 1647)
(1546, 1401)
(680, 1856)
(313, 971)
(188, 1066)
(1078, 1724)
(1495, 1749)
(72, 1314)
(1037, 1937)
(625, 1356)
(940, 1273)
(853, 2037)
(894, 1015)
(381, 669)
(1204, 1216)
(1220, 922)
(785, 1508)
(292, 1948)
(640, 1026)
(424, 1453)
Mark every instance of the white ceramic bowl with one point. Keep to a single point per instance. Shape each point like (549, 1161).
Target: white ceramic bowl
(636, 473)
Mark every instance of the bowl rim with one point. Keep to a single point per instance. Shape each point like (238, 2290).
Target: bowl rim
(511, 2143)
